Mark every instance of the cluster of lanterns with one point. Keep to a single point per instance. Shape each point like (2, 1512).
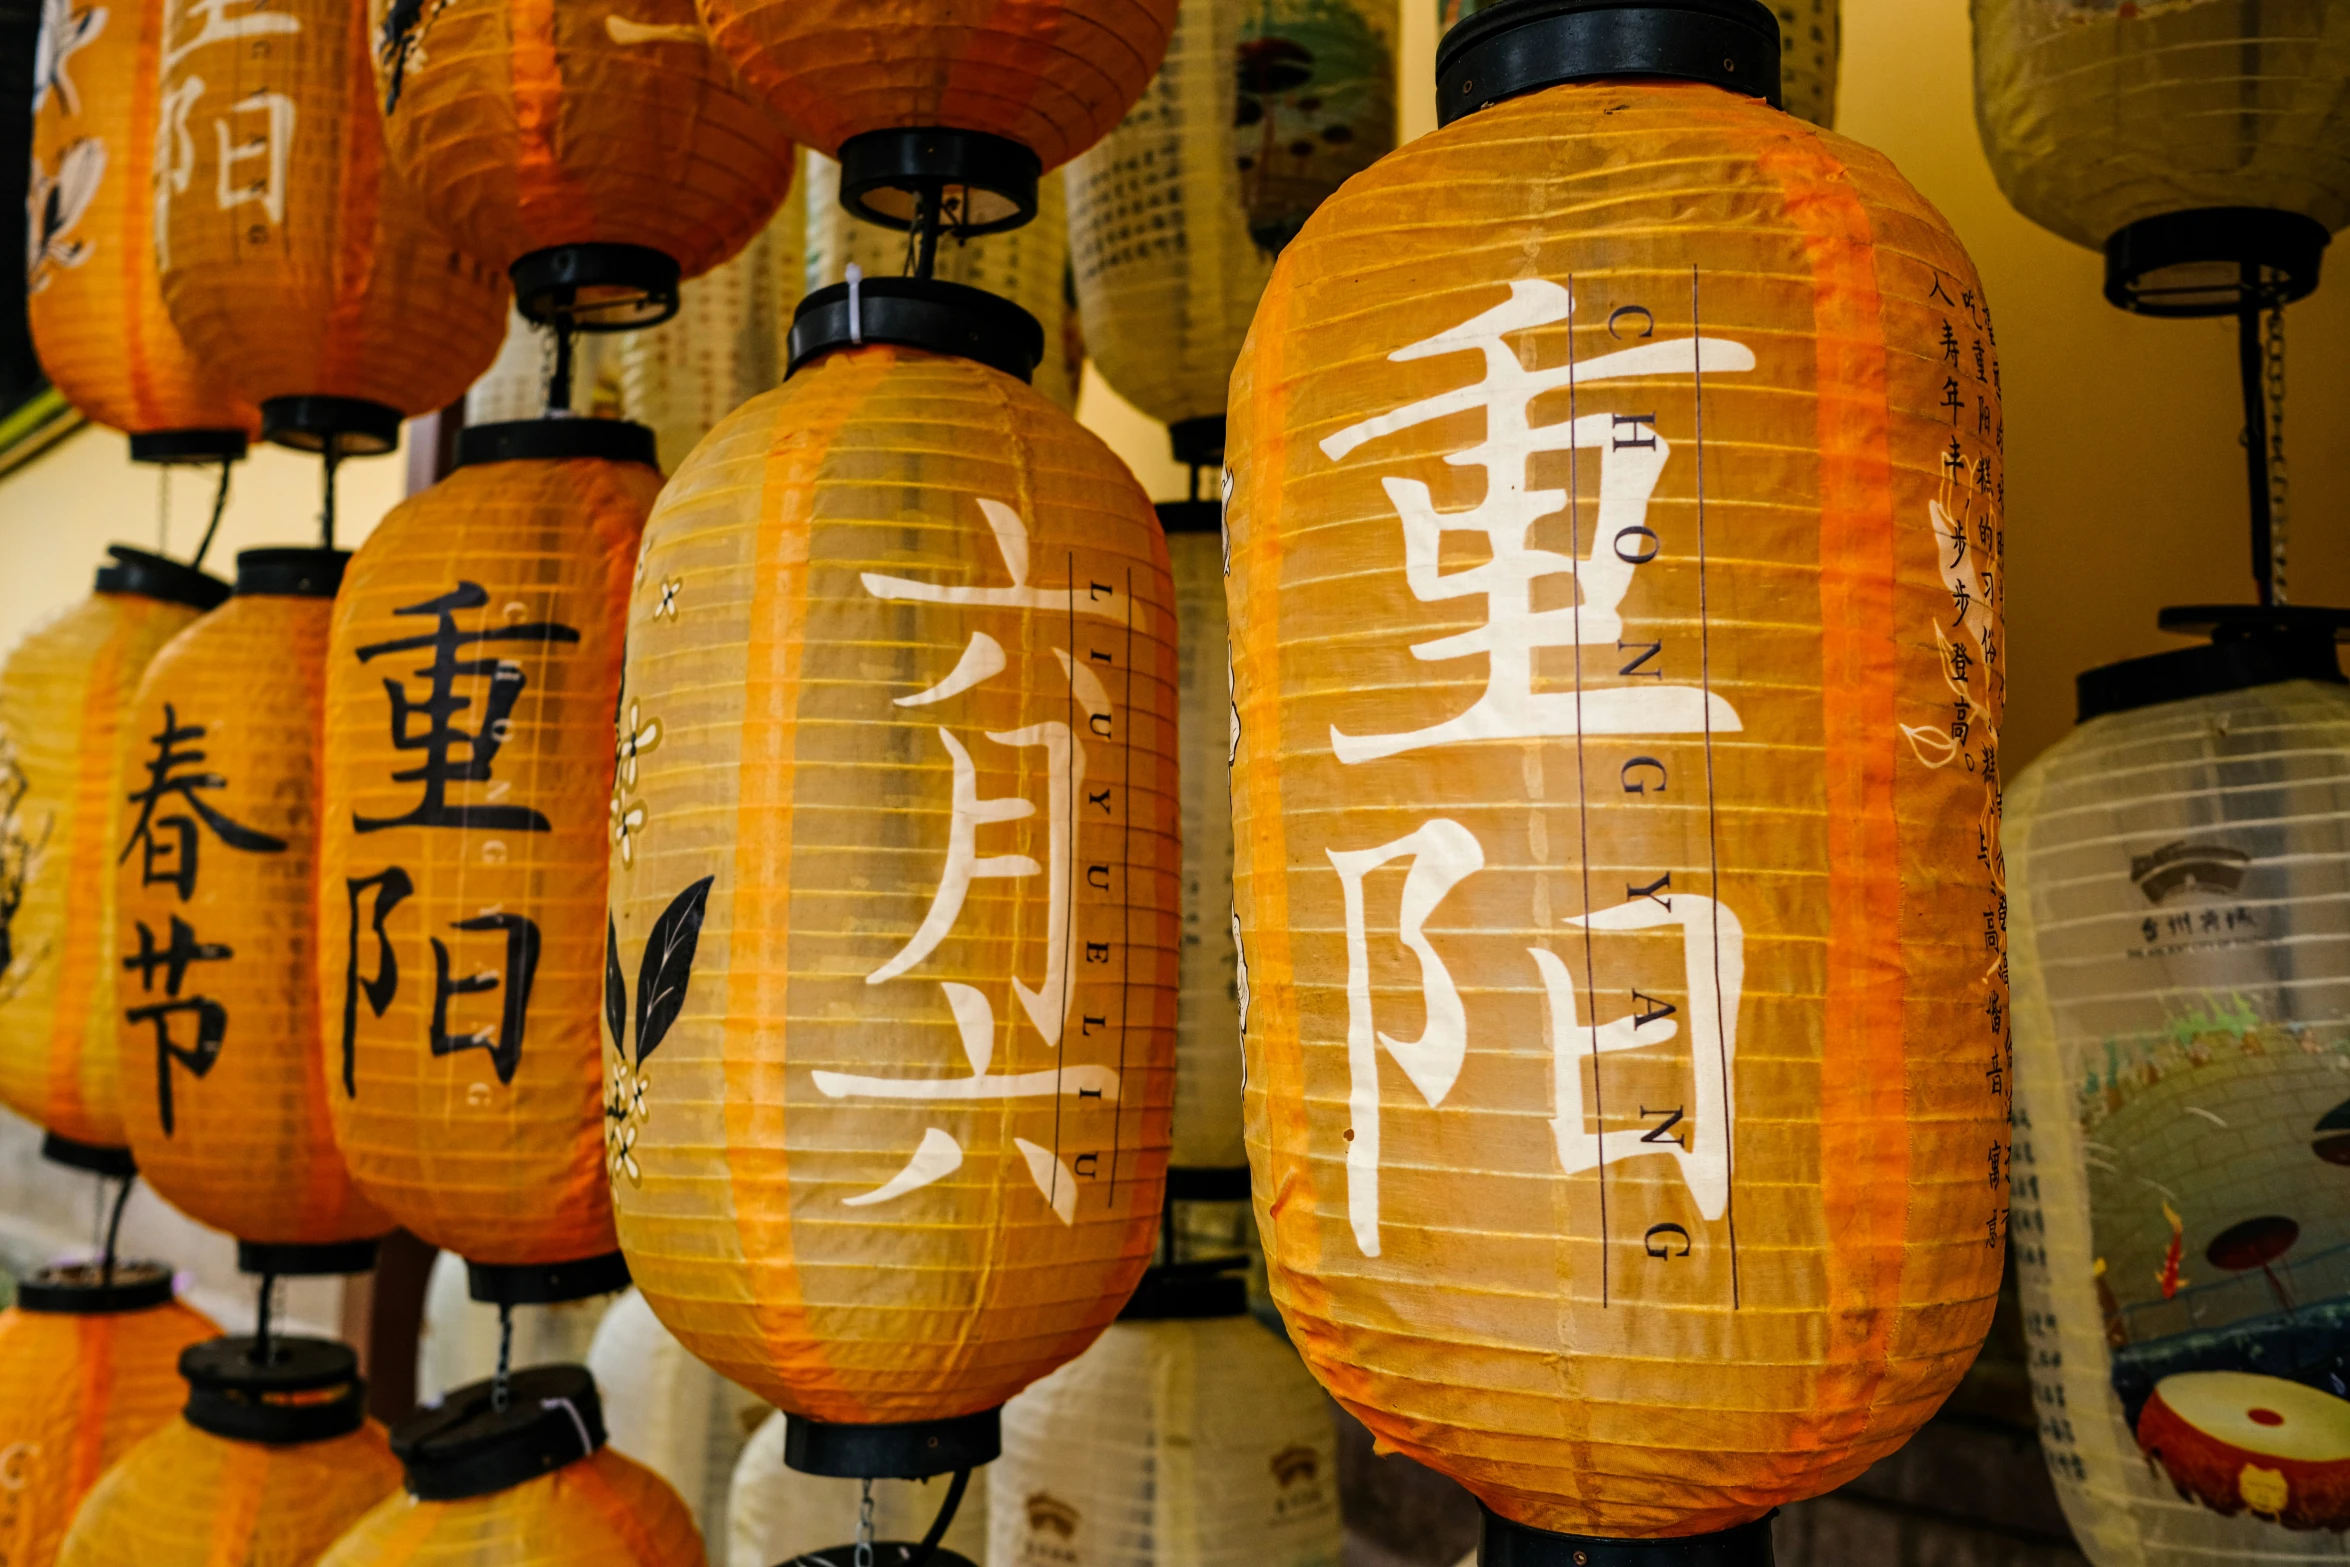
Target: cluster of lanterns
(852, 889)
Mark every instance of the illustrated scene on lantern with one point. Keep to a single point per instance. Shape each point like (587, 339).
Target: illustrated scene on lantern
(1175, 783)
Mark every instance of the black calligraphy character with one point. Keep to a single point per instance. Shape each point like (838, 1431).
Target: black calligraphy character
(1952, 400)
(1954, 460)
(391, 887)
(504, 1043)
(1939, 294)
(441, 736)
(1983, 476)
(1949, 344)
(1957, 543)
(1961, 601)
(211, 1017)
(168, 775)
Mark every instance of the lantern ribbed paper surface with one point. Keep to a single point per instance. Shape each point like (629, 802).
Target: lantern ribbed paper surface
(1811, 49)
(1052, 75)
(2182, 1027)
(525, 127)
(470, 682)
(97, 313)
(775, 1513)
(1169, 1444)
(670, 1412)
(1619, 905)
(2096, 117)
(603, 1511)
(224, 1076)
(294, 260)
(187, 1498)
(897, 753)
(457, 1343)
(64, 696)
(77, 1391)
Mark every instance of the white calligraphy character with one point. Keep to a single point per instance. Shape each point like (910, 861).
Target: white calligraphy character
(270, 146)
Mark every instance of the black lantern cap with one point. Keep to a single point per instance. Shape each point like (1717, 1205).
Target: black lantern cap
(1199, 1182)
(2214, 261)
(596, 286)
(546, 1283)
(1198, 443)
(2251, 645)
(1521, 46)
(1191, 517)
(1189, 1292)
(1501, 1543)
(188, 446)
(467, 1446)
(557, 438)
(292, 573)
(350, 426)
(306, 1262)
(942, 318)
(979, 184)
(906, 1450)
(173, 582)
(83, 1289)
(113, 1163)
(308, 1390)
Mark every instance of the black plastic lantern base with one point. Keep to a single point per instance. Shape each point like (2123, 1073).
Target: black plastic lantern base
(980, 184)
(1189, 517)
(1198, 443)
(939, 318)
(556, 439)
(306, 1262)
(596, 287)
(912, 1450)
(172, 582)
(308, 1390)
(1189, 1292)
(1204, 1183)
(113, 1163)
(2214, 261)
(2251, 645)
(546, 1283)
(1501, 1543)
(1515, 49)
(466, 1445)
(886, 1553)
(279, 571)
(348, 426)
(84, 1289)
(188, 446)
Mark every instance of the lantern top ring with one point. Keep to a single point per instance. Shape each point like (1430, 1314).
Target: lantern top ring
(1189, 1292)
(973, 182)
(296, 1261)
(1502, 1543)
(558, 438)
(133, 571)
(168, 581)
(596, 286)
(83, 1289)
(938, 317)
(234, 1394)
(900, 1450)
(550, 1283)
(469, 1446)
(336, 426)
(2214, 261)
(188, 446)
(1527, 45)
(2251, 645)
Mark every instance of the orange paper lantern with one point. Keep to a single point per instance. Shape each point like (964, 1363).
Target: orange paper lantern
(86, 1371)
(600, 148)
(295, 262)
(64, 694)
(267, 1466)
(1614, 586)
(97, 312)
(224, 1087)
(529, 1480)
(471, 675)
(896, 898)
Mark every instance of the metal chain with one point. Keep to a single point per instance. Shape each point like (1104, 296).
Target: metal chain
(865, 1527)
(2273, 346)
(501, 1385)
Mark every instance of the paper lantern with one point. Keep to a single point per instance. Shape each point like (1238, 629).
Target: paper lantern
(529, 1480)
(471, 676)
(295, 263)
(775, 1513)
(967, 101)
(267, 1466)
(1029, 267)
(2182, 1152)
(97, 313)
(1188, 1442)
(2187, 142)
(1617, 670)
(64, 694)
(224, 1076)
(667, 1410)
(86, 1371)
(930, 1171)
(597, 151)
(460, 1338)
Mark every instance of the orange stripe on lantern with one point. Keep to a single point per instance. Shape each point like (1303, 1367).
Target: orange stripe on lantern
(1864, 1170)
(90, 1434)
(414, 1530)
(71, 1038)
(608, 1504)
(244, 1473)
(547, 197)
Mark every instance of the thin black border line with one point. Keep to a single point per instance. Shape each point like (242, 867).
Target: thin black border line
(1126, 909)
(1713, 815)
(1583, 795)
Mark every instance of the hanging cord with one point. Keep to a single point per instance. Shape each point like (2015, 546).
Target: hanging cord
(501, 1389)
(559, 378)
(2256, 437)
(938, 1526)
(333, 452)
(2273, 348)
(219, 506)
(864, 1552)
(114, 1231)
(261, 1316)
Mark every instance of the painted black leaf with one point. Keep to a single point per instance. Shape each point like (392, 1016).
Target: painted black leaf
(615, 988)
(668, 966)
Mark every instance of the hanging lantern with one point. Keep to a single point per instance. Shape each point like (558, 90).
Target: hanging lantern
(520, 1474)
(668, 1411)
(460, 1338)
(1690, 777)
(294, 261)
(1811, 50)
(2182, 1114)
(932, 1174)
(268, 1464)
(87, 1363)
(64, 694)
(92, 296)
(224, 1077)
(471, 675)
(1187, 1436)
(774, 1513)
(2199, 146)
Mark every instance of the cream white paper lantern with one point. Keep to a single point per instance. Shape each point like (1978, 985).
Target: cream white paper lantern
(667, 1410)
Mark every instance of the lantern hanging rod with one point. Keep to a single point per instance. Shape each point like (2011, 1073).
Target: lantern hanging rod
(2251, 362)
(259, 1354)
(114, 1232)
(947, 1509)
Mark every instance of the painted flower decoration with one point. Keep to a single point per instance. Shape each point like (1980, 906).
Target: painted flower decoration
(637, 736)
(667, 608)
(628, 820)
(624, 1116)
